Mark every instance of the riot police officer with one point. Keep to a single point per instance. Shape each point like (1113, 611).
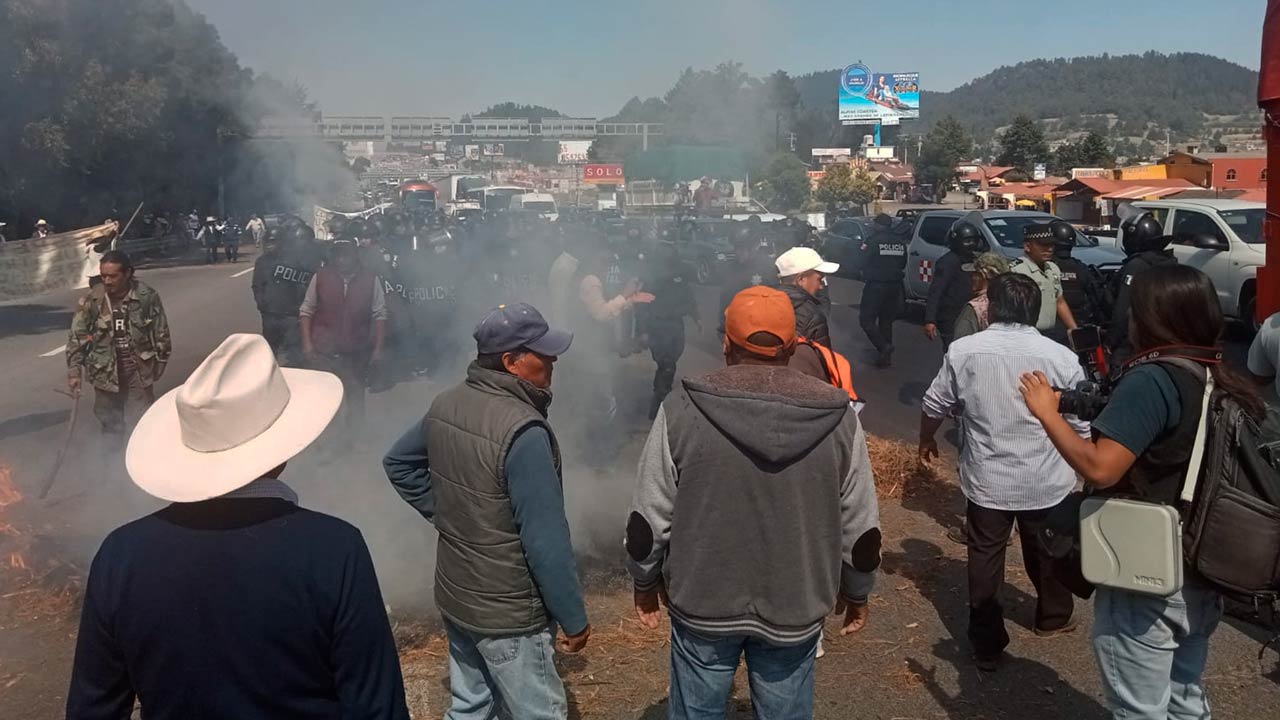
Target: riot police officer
(883, 261)
(952, 285)
(752, 265)
(280, 278)
(1147, 246)
(1082, 285)
(670, 279)
(428, 290)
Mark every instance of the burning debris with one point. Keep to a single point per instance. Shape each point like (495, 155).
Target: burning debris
(34, 574)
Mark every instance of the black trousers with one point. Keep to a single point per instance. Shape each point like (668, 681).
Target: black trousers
(666, 344)
(881, 304)
(284, 336)
(988, 532)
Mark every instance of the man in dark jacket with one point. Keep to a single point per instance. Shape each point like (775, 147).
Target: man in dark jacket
(343, 318)
(671, 281)
(1146, 245)
(952, 285)
(883, 259)
(1082, 285)
(233, 602)
(484, 467)
(280, 279)
(802, 274)
(754, 515)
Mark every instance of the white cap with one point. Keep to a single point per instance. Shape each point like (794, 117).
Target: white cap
(802, 259)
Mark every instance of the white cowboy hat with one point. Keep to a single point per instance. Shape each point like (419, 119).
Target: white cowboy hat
(238, 416)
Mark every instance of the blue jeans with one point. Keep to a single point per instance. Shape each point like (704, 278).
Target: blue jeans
(1152, 651)
(511, 677)
(702, 670)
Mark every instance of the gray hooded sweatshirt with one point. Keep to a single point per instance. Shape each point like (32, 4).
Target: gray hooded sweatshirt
(755, 505)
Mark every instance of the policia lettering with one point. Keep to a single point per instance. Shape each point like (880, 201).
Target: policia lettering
(292, 274)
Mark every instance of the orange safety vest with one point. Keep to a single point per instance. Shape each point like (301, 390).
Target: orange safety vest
(839, 372)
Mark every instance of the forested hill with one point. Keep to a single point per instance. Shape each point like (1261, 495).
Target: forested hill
(1173, 91)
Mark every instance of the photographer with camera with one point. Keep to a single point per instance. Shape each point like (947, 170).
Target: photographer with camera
(1152, 649)
(1008, 469)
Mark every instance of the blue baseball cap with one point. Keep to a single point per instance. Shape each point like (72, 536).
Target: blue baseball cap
(519, 325)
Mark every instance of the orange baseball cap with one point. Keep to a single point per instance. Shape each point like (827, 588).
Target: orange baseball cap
(761, 309)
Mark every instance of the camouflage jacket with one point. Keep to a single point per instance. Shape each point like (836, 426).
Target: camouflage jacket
(90, 348)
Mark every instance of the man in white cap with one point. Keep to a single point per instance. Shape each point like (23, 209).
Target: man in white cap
(484, 467)
(233, 602)
(802, 273)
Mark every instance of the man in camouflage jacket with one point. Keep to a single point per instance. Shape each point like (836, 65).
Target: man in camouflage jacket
(119, 344)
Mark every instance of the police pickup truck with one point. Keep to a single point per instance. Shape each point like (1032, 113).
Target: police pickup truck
(1003, 232)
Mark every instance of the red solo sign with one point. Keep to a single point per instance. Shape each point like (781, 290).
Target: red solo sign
(602, 174)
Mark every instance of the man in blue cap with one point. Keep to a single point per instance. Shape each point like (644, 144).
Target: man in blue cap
(484, 467)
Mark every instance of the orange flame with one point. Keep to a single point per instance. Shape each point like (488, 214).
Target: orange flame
(9, 493)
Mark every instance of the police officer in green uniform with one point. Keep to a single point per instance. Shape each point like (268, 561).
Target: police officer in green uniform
(119, 343)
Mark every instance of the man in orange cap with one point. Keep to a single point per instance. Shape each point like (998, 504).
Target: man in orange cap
(773, 473)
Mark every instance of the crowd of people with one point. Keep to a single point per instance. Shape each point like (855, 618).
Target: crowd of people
(762, 463)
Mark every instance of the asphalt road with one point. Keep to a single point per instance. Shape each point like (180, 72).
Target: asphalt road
(920, 610)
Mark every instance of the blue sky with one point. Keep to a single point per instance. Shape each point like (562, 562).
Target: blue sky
(586, 58)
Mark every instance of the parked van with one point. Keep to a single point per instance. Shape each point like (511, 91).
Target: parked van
(1223, 239)
(1003, 231)
(541, 203)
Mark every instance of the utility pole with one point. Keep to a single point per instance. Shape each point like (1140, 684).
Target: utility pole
(792, 138)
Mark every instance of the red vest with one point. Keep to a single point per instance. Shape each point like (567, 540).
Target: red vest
(342, 322)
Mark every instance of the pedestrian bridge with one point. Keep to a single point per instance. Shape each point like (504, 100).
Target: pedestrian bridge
(411, 129)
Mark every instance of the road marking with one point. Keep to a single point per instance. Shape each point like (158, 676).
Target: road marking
(56, 351)
(246, 271)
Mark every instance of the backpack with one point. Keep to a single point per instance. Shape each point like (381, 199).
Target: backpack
(1231, 524)
(839, 372)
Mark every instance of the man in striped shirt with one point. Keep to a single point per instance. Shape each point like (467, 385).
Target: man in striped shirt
(1009, 470)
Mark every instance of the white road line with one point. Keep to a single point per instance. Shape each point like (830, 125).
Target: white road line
(246, 271)
(56, 351)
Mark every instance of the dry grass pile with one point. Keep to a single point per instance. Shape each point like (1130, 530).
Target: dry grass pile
(35, 579)
(898, 470)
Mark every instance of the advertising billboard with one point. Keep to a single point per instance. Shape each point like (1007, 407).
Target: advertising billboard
(602, 174)
(870, 98)
(574, 152)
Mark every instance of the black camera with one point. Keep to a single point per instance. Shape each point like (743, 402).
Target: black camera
(1087, 399)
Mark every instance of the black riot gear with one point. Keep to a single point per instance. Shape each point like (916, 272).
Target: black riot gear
(356, 230)
(1064, 235)
(883, 260)
(1141, 233)
(965, 239)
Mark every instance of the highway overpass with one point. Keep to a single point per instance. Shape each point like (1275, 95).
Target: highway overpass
(415, 129)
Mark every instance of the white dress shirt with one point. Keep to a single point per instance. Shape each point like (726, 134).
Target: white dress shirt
(1006, 459)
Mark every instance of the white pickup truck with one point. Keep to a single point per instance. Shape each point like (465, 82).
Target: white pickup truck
(1222, 238)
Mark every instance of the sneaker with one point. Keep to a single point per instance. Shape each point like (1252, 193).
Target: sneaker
(1071, 626)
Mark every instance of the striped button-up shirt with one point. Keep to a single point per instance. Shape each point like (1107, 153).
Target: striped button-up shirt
(1006, 459)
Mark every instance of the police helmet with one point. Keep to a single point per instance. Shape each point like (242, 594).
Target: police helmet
(1064, 235)
(1141, 231)
(377, 225)
(356, 230)
(300, 233)
(964, 238)
(274, 236)
(337, 225)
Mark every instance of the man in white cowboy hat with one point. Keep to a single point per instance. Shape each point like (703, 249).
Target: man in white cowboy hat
(484, 468)
(233, 602)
